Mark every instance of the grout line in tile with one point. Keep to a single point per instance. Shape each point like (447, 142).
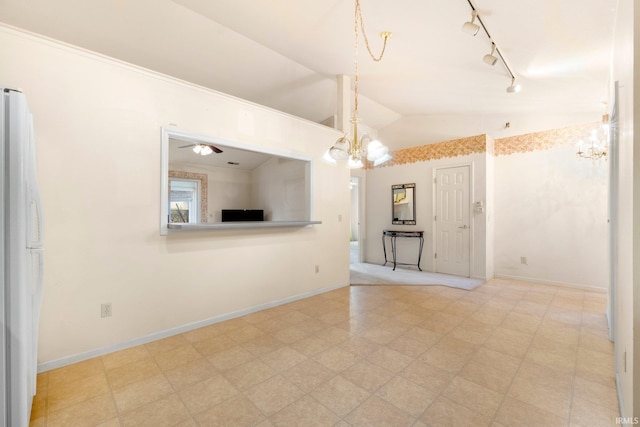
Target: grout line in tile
(377, 301)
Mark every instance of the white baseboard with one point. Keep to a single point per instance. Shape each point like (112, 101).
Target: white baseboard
(551, 282)
(75, 358)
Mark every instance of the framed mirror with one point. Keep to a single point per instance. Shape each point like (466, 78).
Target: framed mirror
(403, 206)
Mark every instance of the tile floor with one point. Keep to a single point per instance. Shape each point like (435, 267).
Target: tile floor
(504, 354)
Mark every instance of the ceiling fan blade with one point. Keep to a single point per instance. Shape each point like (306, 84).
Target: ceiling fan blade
(190, 145)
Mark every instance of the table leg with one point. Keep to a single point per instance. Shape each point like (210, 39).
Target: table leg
(420, 252)
(393, 251)
(384, 249)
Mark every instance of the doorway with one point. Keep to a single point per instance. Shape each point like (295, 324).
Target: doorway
(355, 241)
(452, 221)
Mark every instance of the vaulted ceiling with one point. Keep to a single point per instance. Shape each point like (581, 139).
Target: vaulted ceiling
(431, 84)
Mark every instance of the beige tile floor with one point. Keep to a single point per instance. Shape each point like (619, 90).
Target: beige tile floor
(504, 354)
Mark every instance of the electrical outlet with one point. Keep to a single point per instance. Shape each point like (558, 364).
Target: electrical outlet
(317, 268)
(523, 260)
(105, 309)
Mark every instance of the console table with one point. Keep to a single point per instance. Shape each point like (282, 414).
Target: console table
(394, 234)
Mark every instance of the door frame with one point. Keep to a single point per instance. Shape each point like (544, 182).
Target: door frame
(614, 139)
(434, 201)
(361, 178)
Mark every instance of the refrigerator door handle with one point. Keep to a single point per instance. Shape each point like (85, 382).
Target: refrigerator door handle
(34, 222)
(37, 276)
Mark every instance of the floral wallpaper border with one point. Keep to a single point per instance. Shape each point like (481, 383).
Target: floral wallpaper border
(543, 140)
(529, 142)
(440, 150)
(204, 189)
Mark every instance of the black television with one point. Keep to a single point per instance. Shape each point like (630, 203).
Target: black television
(237, 215)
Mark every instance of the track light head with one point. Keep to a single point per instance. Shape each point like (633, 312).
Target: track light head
(514, 88)
(490, 58)
(470, 27)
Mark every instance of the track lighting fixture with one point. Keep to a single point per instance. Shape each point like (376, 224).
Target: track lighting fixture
(490, 58)
(470, 27)
(514, 88)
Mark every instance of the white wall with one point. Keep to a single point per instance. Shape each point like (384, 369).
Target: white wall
(490, 209)
(551, 208)
(98, 146)
(544, 205)
(279, 187)
(627, 209)
(378, 208)
(417, 130)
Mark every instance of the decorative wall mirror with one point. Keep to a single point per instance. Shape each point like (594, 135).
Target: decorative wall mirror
(209, 183)
(403, 206)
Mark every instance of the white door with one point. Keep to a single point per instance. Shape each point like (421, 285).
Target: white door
(452, 221)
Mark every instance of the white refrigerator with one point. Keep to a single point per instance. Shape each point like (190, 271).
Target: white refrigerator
(21, 255)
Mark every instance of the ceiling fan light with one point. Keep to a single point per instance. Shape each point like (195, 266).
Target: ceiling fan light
(205, 150)
(197, 148)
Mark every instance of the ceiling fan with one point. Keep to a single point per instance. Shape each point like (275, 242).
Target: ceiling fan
(203, 149)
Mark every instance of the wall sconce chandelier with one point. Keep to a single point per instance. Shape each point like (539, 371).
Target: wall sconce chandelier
(355, 148)
(471, 28)
(597, 144)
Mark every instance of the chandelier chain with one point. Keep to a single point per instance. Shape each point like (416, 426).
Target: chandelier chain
(358, 19)
(385, 35)
(355, 60)
(353, 148)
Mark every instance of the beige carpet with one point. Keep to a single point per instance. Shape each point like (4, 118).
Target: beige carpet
(373, 274)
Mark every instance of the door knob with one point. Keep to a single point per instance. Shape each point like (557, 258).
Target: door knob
(464, 227)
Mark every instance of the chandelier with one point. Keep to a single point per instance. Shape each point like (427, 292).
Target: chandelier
(354, 149)
(597, 144)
